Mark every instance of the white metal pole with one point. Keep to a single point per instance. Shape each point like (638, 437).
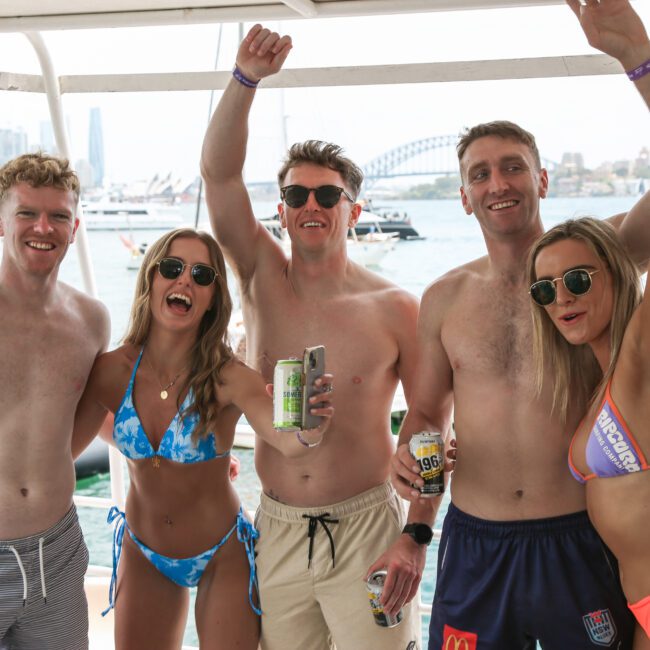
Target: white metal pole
(53, 92)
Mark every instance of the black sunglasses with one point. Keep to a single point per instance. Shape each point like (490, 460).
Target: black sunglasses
(171, 268)
(327, 196)
(576, 281)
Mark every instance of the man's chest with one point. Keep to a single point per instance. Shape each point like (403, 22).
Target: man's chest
(357, 340)
(44, 358)
(490, 335)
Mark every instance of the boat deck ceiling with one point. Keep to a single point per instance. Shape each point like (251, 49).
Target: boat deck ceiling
(37, 16)
(22, 15)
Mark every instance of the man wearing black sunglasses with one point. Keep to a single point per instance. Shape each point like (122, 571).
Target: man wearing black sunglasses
(327, 520)
(50, 337)
(519, 561)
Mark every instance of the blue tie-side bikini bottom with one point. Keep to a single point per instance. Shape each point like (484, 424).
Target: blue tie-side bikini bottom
(185, 572)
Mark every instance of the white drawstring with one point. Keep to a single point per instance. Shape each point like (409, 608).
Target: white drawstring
(22, 572)
(40, 561)
(24, 575)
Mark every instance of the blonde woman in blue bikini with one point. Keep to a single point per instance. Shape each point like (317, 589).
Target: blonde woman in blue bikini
(177, 392)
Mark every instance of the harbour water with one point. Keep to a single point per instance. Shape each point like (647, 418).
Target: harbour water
(452, 238)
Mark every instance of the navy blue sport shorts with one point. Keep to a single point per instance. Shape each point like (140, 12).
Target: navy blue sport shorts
(508, 585)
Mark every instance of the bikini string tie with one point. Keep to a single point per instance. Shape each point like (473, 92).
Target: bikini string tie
(247, 534)
(118, 519)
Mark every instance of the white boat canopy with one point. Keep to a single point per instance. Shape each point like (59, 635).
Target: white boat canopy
(22, 15)
(35, 16)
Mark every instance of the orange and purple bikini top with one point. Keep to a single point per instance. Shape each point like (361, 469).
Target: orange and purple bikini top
(611, 448)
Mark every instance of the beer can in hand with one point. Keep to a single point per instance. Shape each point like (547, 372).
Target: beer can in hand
(287, 395)
(375, 587)
(428, 450)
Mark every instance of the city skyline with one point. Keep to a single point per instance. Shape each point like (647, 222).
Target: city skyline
(162, 132)
(14, 142)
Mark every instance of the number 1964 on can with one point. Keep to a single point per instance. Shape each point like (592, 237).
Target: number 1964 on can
(428, 450)
(287, 395)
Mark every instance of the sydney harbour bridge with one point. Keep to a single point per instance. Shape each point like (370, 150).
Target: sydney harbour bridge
(433, 156)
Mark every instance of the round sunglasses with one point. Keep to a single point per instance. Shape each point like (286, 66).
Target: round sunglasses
(576, 281)
(327, 196)
(171, 268)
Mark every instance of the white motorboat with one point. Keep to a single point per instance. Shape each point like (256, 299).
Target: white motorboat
(366, 250)
(130, 216)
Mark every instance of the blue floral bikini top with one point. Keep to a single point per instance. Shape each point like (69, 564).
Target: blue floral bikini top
(176, 444)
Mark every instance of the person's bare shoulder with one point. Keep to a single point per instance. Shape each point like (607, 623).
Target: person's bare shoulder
(92, 313)
(444, 292)
(235, 376)
(111, 372)
(370, 285)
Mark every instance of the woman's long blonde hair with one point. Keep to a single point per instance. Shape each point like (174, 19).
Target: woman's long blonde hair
(211, 349)
(577, 375)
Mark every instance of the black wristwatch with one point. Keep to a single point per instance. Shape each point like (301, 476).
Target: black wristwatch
(421, 533)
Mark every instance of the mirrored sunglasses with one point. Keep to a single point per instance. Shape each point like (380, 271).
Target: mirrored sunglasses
(327, 196)
(171, 268)
(576, 281)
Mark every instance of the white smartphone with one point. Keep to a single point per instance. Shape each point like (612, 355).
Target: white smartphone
(313, 366)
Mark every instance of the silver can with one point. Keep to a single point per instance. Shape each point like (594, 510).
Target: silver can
(287, 395)
(375, 587)
(428, 450)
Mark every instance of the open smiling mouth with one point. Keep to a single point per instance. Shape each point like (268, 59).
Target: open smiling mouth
(40, 245)
(180, 301)
(502, 205)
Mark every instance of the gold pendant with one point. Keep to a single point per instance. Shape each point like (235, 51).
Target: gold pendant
(164, 394)
(156, 462)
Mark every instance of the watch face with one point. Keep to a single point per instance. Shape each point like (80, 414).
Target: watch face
(422, 533)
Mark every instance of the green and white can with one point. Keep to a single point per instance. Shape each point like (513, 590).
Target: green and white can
(287, 395)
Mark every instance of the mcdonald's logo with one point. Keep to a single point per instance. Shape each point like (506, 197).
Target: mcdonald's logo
(454, 643)
(454, 639)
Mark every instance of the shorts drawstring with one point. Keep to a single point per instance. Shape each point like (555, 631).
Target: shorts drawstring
(42, 567)
(22, 572)
(314, 520)
(41, 564)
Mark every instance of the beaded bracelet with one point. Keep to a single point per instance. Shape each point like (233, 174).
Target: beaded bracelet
(639, 71)
(245, 81)
(304, 443)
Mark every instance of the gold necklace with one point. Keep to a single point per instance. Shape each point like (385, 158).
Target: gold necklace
(164, 394)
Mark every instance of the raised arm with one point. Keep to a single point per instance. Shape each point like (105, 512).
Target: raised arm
(613, 27)
(246, 389)
(634, 231)
(260, 54)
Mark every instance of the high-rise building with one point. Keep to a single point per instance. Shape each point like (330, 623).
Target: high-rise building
(13, 142)
(48, 145)
(96, 146)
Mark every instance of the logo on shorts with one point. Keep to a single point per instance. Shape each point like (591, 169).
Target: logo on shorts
(600, 627)
(412, 646)
(453, 639)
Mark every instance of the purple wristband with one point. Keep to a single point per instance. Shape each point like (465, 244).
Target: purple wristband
(304, 443)
(639, 71)
(245, 81)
